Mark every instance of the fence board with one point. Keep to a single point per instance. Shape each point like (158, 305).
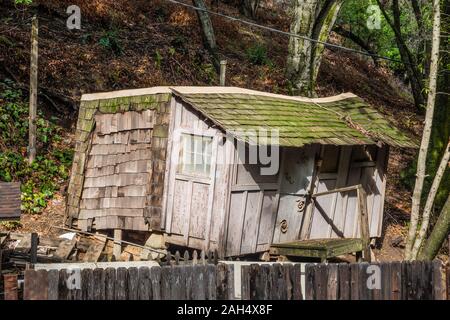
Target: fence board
(133, 282)
(297, 282)
(385, 281)
(53, 282)
(354, 281)
(99, 284)
(396, 281)
(344, 281)
(87, 284)
(110, 280)
(332, 283)
(155, 277)
(309, 282)
(407, 280)
(144, 284)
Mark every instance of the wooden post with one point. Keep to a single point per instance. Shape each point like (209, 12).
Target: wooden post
(10, 285)
(33, 90)
(364, 221)
(117, 249)
(33, 250)
(223, 69)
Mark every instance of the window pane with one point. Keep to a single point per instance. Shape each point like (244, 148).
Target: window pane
(195, 155)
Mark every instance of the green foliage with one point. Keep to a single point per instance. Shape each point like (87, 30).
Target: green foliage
(110, 42)
(50, 170)
(25, 2)
(11, 225)
(158, 59)
(257, 54)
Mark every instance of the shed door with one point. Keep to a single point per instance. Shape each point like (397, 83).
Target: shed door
(296, 178)
(337, 215)
(191, 189)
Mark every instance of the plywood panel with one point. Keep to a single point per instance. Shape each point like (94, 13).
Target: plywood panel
(235, 222)
(180, 207)
(199, 210)
(319, 225)
(267, 221)
(251, 222)
(298, 166)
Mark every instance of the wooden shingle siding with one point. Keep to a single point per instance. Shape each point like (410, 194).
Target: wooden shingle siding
(10, 200)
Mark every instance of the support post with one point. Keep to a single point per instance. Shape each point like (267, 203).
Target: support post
(33, 90)
(364, 222)
(117, 249)
(34, 246)
(223, 69)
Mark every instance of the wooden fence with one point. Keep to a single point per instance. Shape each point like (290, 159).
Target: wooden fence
(359, 281)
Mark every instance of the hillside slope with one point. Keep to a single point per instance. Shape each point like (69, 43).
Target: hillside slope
(154, 43)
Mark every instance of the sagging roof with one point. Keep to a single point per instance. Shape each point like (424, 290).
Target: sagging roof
(341, 120)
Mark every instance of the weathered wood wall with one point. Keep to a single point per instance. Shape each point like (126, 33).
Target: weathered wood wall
(194, 206)
(337, 215)
(119, 164)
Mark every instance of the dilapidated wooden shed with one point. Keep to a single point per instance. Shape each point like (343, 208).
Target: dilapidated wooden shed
(171, 160)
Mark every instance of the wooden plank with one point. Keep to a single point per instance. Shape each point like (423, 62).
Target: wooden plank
(245, 282)
(36, 285)
(189, 281)
(344, 281)
(53, 284)
(144, 286)
(199, 290)
(354, 281)
(332, 283)
(95, 250)
(133, 283)
(309, 282)
(364, 222)
(177, 285)
(65, 248)
(87, 284)
(288, 279)
(221, 281)
(210, 274)
(155, 278)
(63, 291)
(110, 283)
(297, 282)
(263, 288)
(396, 281)
(321, 281)
(120, 289)
(34, 247)
(385, 280)
(117, 249)
(10, 286)
(99, 284)
(166, 273)
(438, 280)
(364, 291)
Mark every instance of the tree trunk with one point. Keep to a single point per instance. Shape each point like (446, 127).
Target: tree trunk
(340, 30)
(437, 237)
(249, 8)
(408, 59)
(313, 20)
(429, 204)
(421, 162)
(209, 38)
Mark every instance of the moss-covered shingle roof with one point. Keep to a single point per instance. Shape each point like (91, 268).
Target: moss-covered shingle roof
(341, 120)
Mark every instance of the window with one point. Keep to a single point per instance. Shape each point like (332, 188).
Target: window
(195, 155)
